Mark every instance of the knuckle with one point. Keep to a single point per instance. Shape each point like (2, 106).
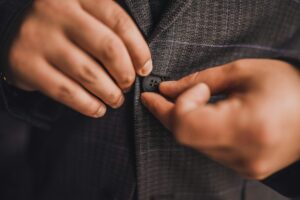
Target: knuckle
(29, 32)
(86, 74)
(44, 5)
(122, 22)
(40, 4)
(256, 170)
(65, 11)
(237, 67)
(81, 68)
(67, 55)
(52, 6)
(232, 68)
(127, 80)
(194, 78)
(64, 93)
(112, 47)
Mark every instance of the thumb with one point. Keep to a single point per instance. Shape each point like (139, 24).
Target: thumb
(191, 99)
(160, 107)
(218, 79)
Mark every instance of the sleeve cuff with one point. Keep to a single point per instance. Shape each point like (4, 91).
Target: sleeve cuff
(31, 107)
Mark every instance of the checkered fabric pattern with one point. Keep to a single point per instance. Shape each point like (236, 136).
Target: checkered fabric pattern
(128, 154)
(194, 35)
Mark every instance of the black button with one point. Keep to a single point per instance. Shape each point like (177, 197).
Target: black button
(151, 83)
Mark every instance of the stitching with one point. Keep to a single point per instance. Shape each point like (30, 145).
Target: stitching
(181, 7)
(249, 46)
(171, 48)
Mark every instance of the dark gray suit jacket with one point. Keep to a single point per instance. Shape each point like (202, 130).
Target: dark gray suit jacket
(69, 155)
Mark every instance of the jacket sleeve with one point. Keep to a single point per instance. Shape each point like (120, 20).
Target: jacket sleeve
(31, 107)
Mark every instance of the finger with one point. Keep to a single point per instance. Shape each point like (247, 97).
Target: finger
(218, 79)
(192, 99)
(208, 126)
(97, 39)
(54, 84)
(111, 14)
(82, 68)
(159, 107)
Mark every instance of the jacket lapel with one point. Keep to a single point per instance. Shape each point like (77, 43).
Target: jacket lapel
(174, 9)
(141, 12)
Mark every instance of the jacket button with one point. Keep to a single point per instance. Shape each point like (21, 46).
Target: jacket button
(151, 83)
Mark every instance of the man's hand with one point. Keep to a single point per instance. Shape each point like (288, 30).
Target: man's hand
(82, 53)
(256, 131)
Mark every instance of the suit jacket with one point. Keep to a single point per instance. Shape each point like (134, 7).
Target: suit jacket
(69, 155)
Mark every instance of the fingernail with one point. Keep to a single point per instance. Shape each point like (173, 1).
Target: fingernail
(202, 87)
(147, 68)
(101, 112)
(120, 102)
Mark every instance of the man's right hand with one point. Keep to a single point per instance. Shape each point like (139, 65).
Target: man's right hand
(82, 53)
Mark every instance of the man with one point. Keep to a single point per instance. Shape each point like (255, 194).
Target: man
(89, 55)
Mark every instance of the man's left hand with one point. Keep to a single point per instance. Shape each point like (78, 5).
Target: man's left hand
(255, 131)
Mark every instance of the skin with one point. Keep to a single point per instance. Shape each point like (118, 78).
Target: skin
(255, 131)
(82, 53)
(86, 53)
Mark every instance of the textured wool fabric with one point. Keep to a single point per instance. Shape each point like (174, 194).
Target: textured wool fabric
(128, 152)
(157, 9)
(194, 35)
